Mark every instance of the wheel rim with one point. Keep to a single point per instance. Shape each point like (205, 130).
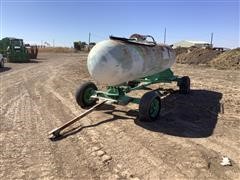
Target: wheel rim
(87, 95)
(154, 108)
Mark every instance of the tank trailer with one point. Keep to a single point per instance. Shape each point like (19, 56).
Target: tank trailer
(124, 65)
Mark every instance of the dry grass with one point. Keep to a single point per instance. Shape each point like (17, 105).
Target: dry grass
(57, 50)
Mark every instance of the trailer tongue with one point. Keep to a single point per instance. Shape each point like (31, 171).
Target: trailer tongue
(55, 133)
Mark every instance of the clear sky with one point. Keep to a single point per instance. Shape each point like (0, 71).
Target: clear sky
(66, 21)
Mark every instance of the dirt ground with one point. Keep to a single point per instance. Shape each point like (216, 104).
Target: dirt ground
(187, 142)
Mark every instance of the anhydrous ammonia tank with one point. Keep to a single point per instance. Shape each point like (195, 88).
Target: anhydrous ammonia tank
(118, 60)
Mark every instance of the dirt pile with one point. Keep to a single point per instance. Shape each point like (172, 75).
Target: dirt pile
(180, 50)
(196, 55)
(227, 60)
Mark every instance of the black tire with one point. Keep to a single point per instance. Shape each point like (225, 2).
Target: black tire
(2, 63)
(146, 105)
(184, 85)
(83, 99)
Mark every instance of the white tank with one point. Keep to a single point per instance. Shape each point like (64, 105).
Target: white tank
(113, 62)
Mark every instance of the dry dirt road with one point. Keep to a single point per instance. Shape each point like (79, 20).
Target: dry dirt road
(187, 142)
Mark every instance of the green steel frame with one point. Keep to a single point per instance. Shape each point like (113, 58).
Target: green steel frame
(118, 94)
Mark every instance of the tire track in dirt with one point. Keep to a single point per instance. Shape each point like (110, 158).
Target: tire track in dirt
(60, 156)
(26, 136)
(33, 129)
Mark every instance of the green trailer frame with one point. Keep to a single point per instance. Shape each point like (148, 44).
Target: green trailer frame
(118, 94)
(87, 96)
(150, 102)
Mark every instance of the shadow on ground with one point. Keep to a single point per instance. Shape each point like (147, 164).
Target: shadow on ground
(108, 109)
(34, 61)
(30, 61)
(38, 60)
(194, 115)
(3, 69)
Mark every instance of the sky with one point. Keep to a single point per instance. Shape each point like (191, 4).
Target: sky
(64, 21)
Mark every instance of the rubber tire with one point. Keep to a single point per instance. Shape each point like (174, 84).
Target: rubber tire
(184, 85)
(145, 104)
(79, 95)
(2, 63)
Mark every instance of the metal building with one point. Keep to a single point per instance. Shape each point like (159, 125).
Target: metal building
(187, 44)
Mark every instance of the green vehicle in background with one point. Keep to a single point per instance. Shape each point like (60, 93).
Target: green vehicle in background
(14, 50)
(2, 60)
